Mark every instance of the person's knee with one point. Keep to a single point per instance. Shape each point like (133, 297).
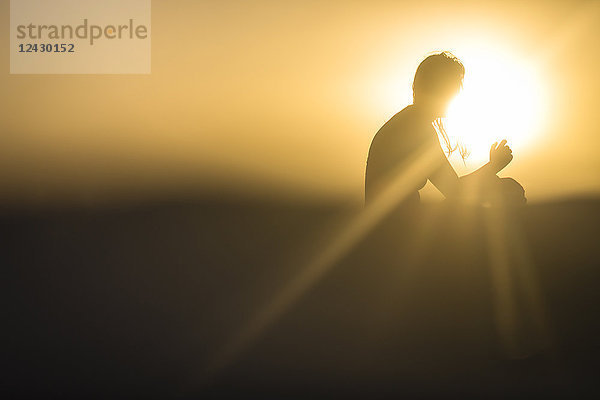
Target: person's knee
(511, 192)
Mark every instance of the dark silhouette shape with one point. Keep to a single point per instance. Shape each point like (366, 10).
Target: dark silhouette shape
(437, 80)
(447, 259)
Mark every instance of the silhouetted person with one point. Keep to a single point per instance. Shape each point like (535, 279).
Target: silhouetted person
(397, 146)
(441, 260)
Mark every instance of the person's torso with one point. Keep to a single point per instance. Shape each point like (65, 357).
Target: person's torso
(392, 148)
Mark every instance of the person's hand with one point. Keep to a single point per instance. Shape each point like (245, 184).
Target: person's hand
(500, 155)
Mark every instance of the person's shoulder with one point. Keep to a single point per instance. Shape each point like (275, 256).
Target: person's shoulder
(404, 121)
(404, 115)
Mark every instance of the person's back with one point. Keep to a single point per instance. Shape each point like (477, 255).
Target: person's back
(395, 144)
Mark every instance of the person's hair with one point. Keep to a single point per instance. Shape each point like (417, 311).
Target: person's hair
(441, 130)
(433, 77)
(436, 73)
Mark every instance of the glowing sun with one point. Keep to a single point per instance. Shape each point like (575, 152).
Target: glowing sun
(501, 99)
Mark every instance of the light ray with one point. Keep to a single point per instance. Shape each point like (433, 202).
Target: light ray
(395, 191)
(522, 325)
(505, 312)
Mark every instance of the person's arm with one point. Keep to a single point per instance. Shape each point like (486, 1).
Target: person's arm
(451, 186)
(445, 178)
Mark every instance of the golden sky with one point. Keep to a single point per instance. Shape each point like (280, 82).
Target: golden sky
(283, 98)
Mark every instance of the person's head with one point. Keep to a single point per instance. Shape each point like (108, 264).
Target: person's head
(438, 79)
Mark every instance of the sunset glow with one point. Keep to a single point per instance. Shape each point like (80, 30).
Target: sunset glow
(502, 98)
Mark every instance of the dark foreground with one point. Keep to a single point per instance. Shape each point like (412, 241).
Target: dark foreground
(141, 301)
